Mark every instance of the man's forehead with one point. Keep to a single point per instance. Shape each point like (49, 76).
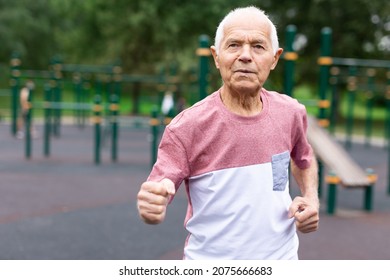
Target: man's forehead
(247, 24)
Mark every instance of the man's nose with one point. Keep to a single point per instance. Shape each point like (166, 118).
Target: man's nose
(245, 55)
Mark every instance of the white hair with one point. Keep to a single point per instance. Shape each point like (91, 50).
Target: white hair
(251, 9)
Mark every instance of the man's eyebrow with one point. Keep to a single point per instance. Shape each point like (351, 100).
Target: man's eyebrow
(258, 41)
(234, 39)
(240, 39)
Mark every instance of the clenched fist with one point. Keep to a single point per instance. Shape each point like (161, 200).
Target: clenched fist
(153, 198)
(306, 213)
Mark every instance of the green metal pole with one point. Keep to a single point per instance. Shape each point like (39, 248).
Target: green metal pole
(57, 76)
(57, 111)
(334, 81)
(324, 61)
(114, 108)
(369, 190)
(118, 83)
(332, 181)
(97, 121)
(28, 121)
(77, 86)
(15, 74)
(387, 130)
(154, 123)
(368, 197)
(203, 52)
(46, 132)
(369, 105)
(59, 98)
(290, 57)
(352, 86)
(331, 199)
(99, 91)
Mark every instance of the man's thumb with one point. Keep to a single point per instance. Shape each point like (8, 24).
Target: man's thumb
(294, 208)
(169, 186)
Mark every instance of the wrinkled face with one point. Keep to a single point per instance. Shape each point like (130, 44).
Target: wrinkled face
(246, 56)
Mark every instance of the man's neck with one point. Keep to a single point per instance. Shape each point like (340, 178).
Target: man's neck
(243, 104)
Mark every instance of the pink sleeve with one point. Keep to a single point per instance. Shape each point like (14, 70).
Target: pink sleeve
(301, 153)
(171, 161)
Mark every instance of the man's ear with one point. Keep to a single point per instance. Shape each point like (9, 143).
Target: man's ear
(215, 56)
(276, 58)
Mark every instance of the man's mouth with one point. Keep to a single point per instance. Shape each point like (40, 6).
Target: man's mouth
(246, 71)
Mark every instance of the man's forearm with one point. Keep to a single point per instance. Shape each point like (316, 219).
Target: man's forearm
(307, 179)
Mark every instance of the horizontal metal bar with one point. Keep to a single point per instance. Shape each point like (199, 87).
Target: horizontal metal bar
(361, 62)
(62, 105)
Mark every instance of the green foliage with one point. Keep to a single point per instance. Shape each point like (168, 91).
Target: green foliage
(145, 35)
(26, 28)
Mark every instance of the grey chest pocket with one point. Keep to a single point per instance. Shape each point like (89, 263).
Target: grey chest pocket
(280, 163)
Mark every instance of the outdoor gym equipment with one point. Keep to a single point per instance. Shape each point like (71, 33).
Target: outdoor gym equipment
(48, 106)
(330, 75)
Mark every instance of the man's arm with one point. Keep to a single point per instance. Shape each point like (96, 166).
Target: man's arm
(305, 208)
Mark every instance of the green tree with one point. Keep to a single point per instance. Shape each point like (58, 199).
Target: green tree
(26, 28)
(358, 25)
(144, 35)
(141, 34)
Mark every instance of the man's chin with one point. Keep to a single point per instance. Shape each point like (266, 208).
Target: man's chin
(247, 88)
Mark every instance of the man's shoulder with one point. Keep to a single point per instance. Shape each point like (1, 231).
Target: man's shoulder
(284, 102)
(275, 96)
(197, 113)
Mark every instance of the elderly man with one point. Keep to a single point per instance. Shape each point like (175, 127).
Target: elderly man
(233, 150)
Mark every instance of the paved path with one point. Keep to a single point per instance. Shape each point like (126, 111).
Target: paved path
(66, 207)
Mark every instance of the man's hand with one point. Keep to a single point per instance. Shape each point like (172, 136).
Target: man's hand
(153, 198)
(306, 213)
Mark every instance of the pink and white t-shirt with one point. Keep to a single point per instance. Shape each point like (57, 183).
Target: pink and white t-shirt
(235, 171)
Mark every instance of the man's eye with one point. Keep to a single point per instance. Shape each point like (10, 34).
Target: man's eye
(233, 45)
(258, 46)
